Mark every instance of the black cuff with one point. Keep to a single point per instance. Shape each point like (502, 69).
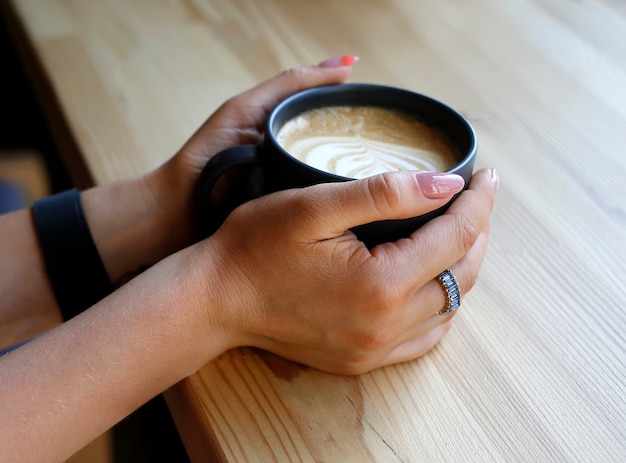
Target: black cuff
(77, 274)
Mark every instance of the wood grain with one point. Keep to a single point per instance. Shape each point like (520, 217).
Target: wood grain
(535, 366)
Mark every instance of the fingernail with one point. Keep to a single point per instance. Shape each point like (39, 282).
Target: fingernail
(338, 61)
(495, 179)
(438, 185)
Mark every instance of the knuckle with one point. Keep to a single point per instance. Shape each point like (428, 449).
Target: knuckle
(374, 338)
(232, 103)
(292, 79)
(383, 298)
(466, 232)
(386, 194)
(293, 73)
(300, 207)
(379, 326)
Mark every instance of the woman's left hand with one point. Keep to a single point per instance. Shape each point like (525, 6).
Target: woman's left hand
(240, 120)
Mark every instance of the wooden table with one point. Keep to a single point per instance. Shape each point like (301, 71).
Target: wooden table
(535, 366)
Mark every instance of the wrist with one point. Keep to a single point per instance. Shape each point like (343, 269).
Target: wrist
(136, 223)
(205, 303)
(73, 263)
(171, 193)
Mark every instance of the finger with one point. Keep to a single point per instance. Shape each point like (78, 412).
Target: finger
(424, 325)
(418, 346)
(431, 298)
(240, 119)
(392, 195)
(432, 321)
(446, 239)
(421, 314)
(269, 93)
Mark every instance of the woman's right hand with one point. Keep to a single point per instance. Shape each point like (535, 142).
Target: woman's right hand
(285, 274)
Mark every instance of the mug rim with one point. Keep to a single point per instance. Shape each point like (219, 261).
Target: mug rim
(328, 91)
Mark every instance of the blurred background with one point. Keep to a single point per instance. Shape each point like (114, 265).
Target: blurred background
(31, 168)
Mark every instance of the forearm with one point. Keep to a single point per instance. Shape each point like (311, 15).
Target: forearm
(102, 365)
(134, 223)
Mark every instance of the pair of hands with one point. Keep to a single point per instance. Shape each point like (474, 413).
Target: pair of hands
(285, 274)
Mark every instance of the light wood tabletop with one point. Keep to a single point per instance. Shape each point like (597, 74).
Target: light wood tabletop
(534, 368)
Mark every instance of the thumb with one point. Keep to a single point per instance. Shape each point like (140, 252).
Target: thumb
(388, 196)
(268, 94)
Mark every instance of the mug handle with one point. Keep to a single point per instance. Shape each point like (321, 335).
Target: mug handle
(210, 218)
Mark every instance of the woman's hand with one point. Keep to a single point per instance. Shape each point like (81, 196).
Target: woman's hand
(294, 281)
(240, 120)
(138, 222)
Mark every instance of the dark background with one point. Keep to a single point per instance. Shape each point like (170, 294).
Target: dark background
(22, 125)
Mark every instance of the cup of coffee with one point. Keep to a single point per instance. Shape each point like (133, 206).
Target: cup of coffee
(343, 132)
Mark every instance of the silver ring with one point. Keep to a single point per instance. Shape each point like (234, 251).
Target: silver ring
(453, 293)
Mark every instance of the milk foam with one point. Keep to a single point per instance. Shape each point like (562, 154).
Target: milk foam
(359, 142)
(358, 157)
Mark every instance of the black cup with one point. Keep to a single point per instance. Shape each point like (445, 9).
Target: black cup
(275, 169)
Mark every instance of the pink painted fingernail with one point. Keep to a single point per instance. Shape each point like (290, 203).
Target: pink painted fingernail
(338, 61)
(438, 185)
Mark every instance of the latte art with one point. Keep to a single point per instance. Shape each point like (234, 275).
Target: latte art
(359, 142)
(358, 157)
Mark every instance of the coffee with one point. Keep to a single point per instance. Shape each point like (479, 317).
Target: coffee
(362, 141)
